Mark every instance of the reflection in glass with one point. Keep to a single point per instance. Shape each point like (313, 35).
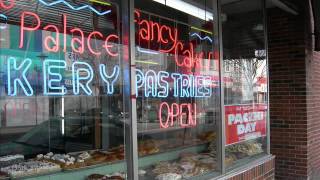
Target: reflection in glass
(177, 91)
(245, 81)
(61, 89)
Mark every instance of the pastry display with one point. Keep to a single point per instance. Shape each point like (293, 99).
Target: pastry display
(208, 136)
(117, 176)
(169, 176)
(11, 159)
(212, 148)
(30, 168)
(83, 159)
(245, 149)
(142, 172)
(114, 176)
(166, 167)
(147, 147)
(96, 177)
(188, 165)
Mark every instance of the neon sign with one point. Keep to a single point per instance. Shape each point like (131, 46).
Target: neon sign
(7, 6)
(157, 84)
(77, 77)
(82, 76)
(74, 8)
(77, 43)
(184, 54)
(185, 113)
(22, 82)
(48, 72)
(201, 38)
(110, 80)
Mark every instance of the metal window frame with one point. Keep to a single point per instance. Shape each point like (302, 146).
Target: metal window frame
(265, 24)
(129, 66)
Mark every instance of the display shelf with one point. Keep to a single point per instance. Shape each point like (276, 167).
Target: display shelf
(169, 156)
(153, 128)
(81, 174)
(144, 162)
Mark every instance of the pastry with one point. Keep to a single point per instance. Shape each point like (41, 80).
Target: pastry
(84, 156)
(142, 172)
(96, 177)
(11, 159)
(30, 168)
(169, 176)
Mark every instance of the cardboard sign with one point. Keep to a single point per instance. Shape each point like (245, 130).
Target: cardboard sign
(245, 122)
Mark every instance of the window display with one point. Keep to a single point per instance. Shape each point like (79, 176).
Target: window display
(177, 89)
(61, 88)
(245, 81)
(84, 95)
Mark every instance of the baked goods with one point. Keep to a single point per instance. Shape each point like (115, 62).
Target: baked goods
(229, 159)
(11, 159)
(169, 176)
(30, 168)
(166, 167)
(207, 136)
(147, 147)
(245, 149)
(96, 177)
(188, 165)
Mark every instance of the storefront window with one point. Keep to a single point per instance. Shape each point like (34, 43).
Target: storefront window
(68, 110)
(177, 89)
(245, 81)
(61, 89)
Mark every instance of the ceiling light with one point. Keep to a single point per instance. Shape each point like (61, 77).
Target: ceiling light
(187, 8)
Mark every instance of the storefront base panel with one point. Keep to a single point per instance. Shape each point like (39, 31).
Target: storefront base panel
(262, 169)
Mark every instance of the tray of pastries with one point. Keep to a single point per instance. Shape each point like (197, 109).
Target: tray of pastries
(188, 165)
(79, 160)
(114, 176)
(30, 168)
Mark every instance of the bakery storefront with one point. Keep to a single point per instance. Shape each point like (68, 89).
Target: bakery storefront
(144, 89)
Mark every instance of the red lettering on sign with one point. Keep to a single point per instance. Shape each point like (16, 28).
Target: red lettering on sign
(9, 6)
(89, 44)
(55, 41)
(185, 113)
(77, 43)
(108, 47)
(23, 28)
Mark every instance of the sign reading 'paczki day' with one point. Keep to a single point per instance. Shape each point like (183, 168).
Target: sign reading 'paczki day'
(244, 122)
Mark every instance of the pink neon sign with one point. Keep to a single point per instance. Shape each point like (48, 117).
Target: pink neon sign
(78, 43)
(185, 113)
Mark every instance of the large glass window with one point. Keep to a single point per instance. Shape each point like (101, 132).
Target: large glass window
(61, 88)
(245, 81)
(177, 88)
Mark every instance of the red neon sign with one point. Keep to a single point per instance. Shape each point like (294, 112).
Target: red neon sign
(185, 113)
(77, 41)
(153, 31)
(6, 5)
(185, 56)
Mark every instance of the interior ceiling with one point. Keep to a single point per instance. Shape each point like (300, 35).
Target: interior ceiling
(237, 6)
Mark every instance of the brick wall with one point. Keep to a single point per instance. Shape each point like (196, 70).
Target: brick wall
(264, 171)
(288, 94)
(313, 104)
(313, 77)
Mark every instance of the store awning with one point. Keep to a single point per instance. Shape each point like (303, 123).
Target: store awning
(316, 15)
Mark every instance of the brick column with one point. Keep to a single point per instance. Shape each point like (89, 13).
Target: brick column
(294, 94)
(288, 94)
